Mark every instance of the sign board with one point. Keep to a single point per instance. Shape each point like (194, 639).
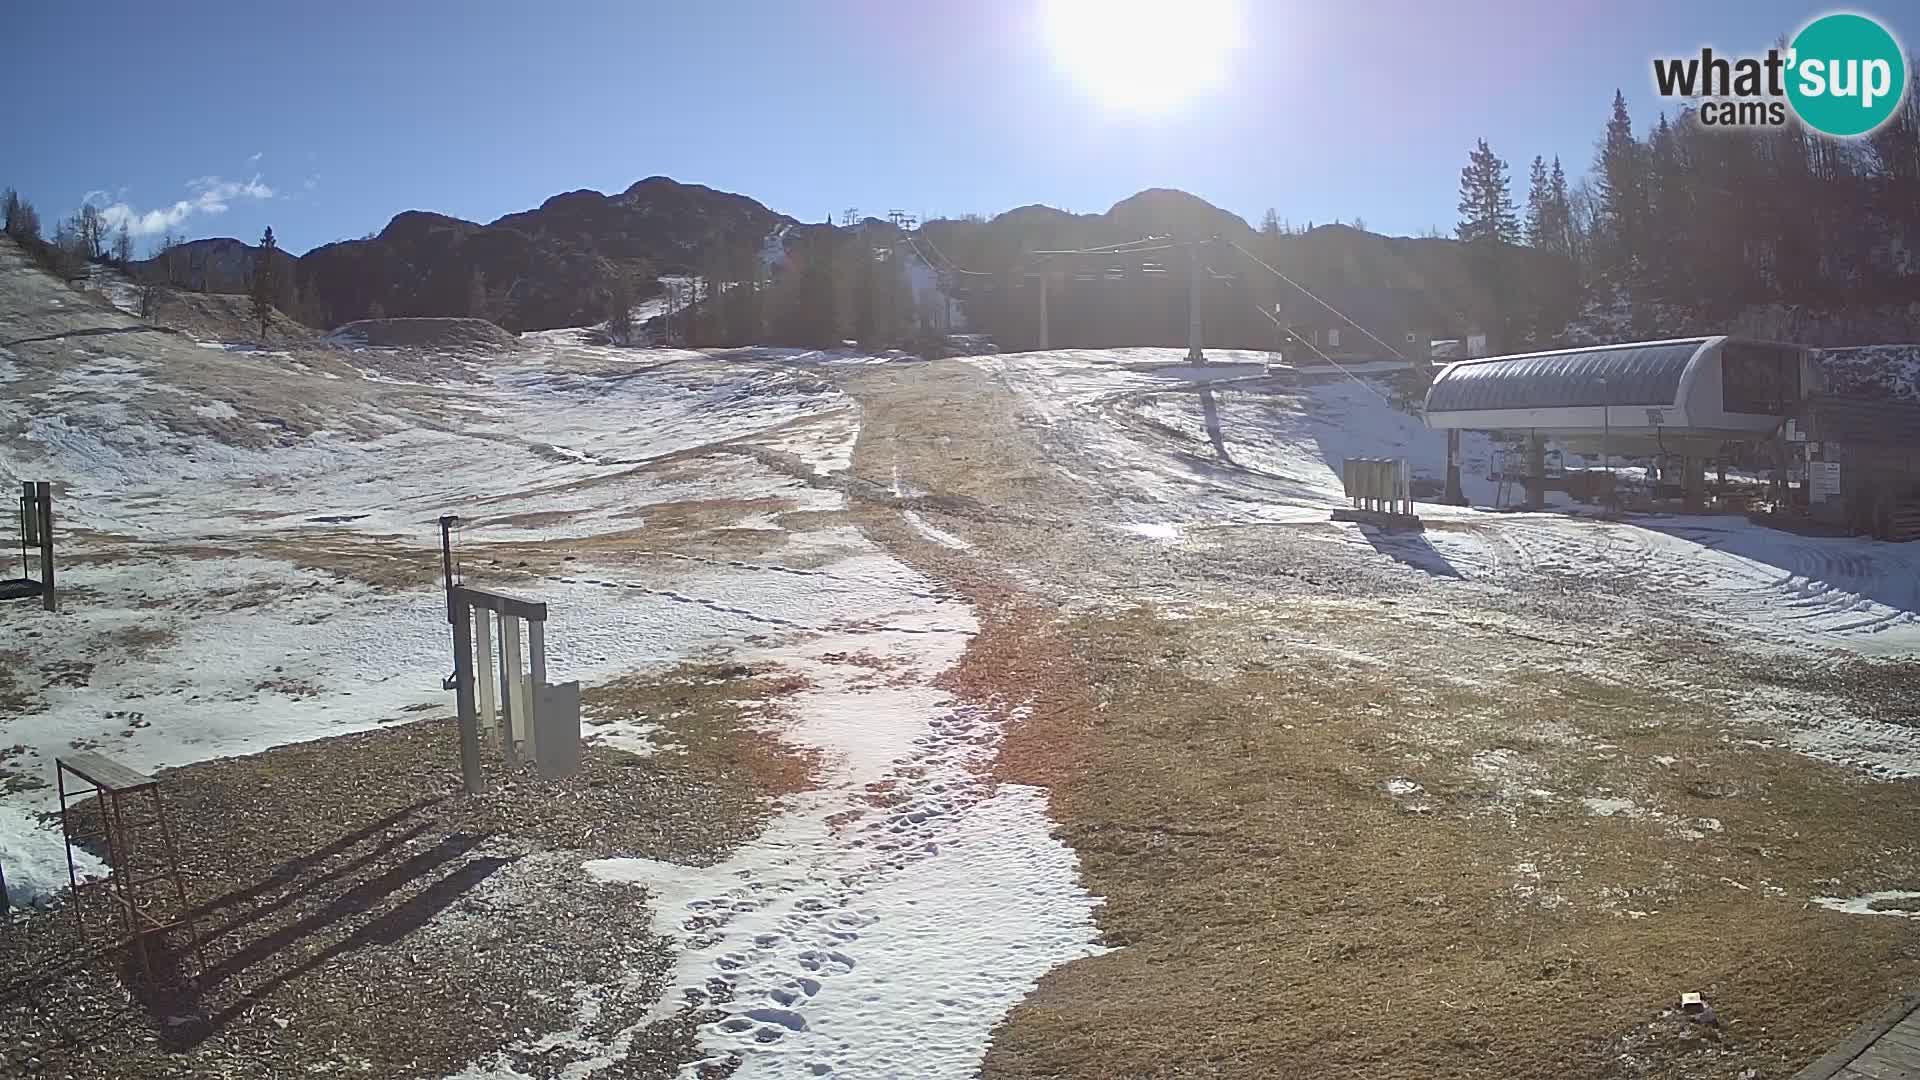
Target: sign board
(1656, 417)
(1794, 434)
(1823, 480)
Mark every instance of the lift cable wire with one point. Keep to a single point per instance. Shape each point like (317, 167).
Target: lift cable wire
(1287, 330)
(1343, 316)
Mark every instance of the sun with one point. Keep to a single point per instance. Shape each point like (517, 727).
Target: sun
(1144, 55)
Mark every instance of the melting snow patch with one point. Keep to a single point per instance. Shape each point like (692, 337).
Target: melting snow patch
(831, 948)
(1164, 531)
(1869, 904)
(1887, 751)
(1401, 786)
(1610, 807)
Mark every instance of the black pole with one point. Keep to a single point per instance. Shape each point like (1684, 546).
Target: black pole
(43, 494)
(463, 695)
(447, 522)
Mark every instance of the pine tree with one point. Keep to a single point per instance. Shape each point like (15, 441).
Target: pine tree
(1486, 203)
(1539, 203)
(1670, 215)
(123, 245)
(264, 290)
(1622, 182)
(1561, 234)
(866, 291)
(812, 316)
(1270, 225)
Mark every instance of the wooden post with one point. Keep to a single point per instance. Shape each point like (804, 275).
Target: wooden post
(483, 677)
(43, 496)
(536, 681)
(463, 688)
(537, 652)
(513, 720)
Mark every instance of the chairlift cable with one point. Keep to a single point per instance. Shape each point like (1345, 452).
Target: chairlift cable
(1310, 295)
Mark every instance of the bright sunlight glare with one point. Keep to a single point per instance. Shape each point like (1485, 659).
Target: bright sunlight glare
(1144, 55)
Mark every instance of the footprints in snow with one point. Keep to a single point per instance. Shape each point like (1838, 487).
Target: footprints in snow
(777, 943)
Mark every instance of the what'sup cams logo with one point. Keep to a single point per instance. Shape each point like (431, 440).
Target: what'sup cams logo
(1843, 75)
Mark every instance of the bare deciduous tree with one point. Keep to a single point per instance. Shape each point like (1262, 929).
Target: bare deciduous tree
(92, 230)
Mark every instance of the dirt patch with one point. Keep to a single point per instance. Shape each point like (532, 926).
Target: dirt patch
(17, 697)
(134, 641)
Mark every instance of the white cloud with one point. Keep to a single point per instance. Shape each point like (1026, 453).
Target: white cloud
(254, 159)
(207, 195)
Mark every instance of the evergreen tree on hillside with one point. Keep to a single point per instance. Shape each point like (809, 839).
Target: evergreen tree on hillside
(811, 315)
(866, 291)
(1670, 211)
(1270, 225)
(23, 222)
(1539, 197)
(1486, 203)
(745, 294)
(1562, 236)
(264, 290)
(1620, 176)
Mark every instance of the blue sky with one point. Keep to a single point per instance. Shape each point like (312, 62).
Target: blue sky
(325, 120)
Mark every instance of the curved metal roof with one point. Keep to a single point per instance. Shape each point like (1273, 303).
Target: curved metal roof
(1640, 374)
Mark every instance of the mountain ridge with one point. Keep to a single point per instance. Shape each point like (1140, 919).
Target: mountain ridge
(552, 265)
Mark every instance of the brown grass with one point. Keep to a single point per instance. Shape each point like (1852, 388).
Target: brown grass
(1282, 915)
(1277, 913)
(721, 716)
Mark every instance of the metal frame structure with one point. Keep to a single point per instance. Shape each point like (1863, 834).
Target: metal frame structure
(129, 878)
(36, 530)
(527, 705)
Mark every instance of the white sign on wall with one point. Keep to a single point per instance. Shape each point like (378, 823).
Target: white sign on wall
(1823, 480)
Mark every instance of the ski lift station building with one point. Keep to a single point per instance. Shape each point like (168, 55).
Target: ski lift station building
(1855, 448)
(1688, 396)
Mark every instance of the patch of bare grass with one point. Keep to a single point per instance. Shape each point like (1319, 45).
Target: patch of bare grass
(1285, 913)
(720, 717)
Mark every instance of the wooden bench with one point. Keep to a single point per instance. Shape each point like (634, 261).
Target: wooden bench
(103, 772)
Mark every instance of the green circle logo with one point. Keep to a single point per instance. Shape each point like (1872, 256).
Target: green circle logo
(1846, 75)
